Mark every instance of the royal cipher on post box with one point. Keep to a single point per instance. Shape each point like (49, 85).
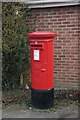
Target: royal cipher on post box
(42, 68)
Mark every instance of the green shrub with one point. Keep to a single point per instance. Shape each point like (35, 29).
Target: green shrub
(15, 46)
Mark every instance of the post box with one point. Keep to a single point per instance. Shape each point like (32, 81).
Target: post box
(42, 68)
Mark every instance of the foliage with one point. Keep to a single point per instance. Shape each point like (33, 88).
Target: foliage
(15, 44)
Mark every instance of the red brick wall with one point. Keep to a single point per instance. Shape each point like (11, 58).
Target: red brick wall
(64, 21)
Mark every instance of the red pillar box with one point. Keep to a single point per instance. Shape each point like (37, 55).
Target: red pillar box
(42, 68)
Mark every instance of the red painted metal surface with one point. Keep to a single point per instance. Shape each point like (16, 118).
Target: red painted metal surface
(42, 62)
(42, 34)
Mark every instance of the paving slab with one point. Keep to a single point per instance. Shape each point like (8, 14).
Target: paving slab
(14, 111)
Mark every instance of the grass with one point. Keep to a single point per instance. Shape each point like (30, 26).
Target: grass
(11, 93)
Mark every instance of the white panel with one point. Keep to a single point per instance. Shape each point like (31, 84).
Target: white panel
(36, 54)
(52, 5)
(48, 1)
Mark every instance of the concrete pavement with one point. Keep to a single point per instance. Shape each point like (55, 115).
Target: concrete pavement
(15, 111)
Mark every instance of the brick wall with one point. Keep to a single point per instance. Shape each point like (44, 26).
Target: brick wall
(64, 21)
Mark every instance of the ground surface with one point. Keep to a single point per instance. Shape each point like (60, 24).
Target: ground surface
(20, 111)
(17, 104)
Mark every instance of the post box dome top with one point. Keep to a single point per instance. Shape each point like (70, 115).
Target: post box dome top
(42, 34)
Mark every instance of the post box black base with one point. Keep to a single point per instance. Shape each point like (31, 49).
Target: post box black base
(42, 99)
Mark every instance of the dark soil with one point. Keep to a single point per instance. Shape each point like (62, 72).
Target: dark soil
(23, 97)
